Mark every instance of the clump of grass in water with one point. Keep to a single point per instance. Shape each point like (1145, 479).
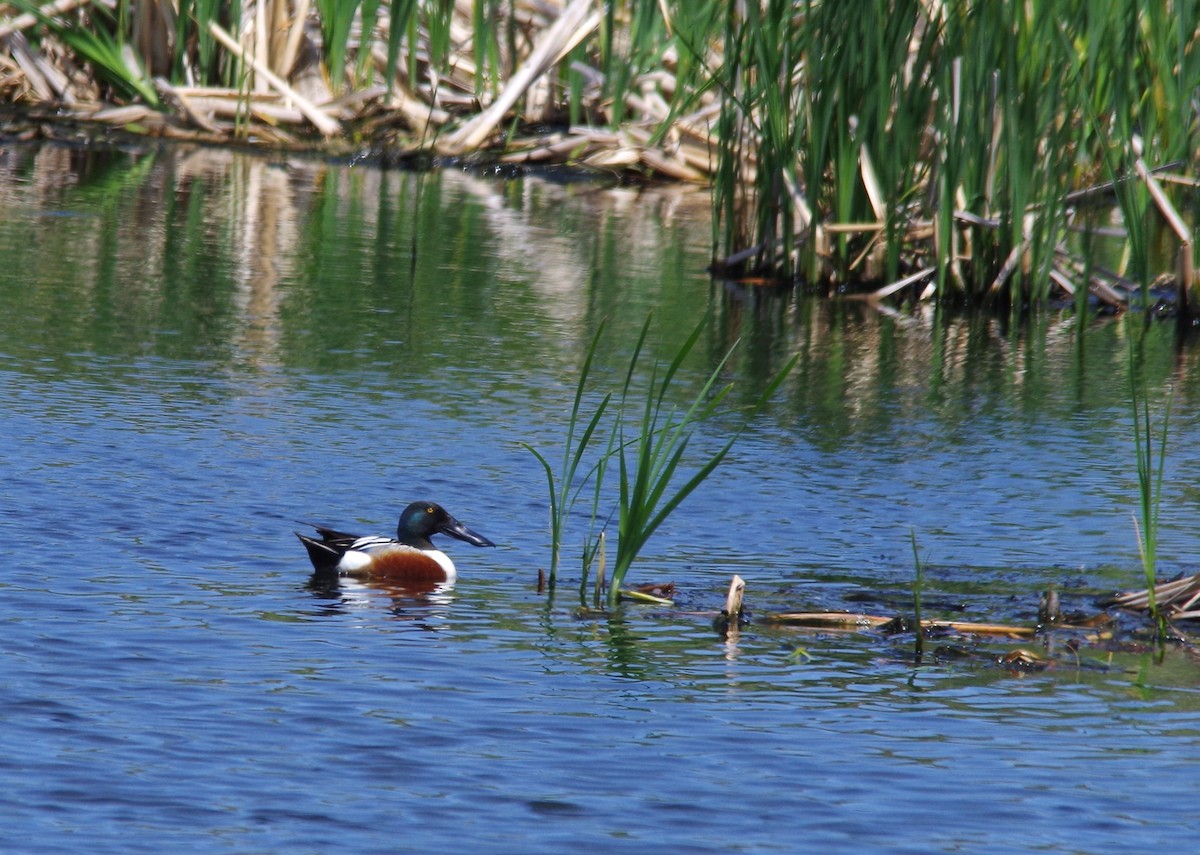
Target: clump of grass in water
(647, 464)
(562, 496)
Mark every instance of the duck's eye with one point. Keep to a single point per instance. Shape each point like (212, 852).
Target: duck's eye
(429, 510)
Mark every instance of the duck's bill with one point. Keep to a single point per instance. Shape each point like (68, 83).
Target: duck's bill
(456, 529)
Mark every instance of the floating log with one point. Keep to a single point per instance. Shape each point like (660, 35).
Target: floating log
(854, 621)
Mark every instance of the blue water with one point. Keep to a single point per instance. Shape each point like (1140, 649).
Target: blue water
(180, 389)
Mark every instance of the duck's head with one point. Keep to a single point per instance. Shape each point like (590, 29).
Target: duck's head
(421, 520)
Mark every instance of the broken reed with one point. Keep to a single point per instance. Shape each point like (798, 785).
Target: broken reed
(934, 146)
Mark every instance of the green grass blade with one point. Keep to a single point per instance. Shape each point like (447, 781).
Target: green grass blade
(399, 14)
(103, 45)
(337, 20)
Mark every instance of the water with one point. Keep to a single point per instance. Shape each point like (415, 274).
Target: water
(198, 348)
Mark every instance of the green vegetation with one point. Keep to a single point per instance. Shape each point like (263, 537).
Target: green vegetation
(949, 147)
(649, 451)
(904, 148)
(1150, 481)
(565, 489)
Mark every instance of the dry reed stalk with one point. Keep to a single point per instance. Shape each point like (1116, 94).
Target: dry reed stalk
(1063, 281)
(827, 620)
(196, 116)
(702, 159)
(735, 596)
(976, 220)
(1185, 180)
(622, 157)
(1168, 593)
(553, 147)
(258, 36)
(419, 114)
(672, 167)
(320, 121)
(871, 183)
(729, 621)
(854, 228)
(50, 10)
(598, 136)
(279, 20)
(851, 621)
(43, 78)
(1008, 267)
(295, 35)
(659, 160)
(604, 149)
(1096, 286)
(991, 629)
(1187, 271)
(1191, 600)
(698, 128)
(900, 284)
(123, 115)
(574, 24)
(241, 108)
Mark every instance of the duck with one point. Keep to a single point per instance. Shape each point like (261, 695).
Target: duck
(409, 557)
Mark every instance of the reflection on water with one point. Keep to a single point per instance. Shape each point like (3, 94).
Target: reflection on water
(199, 347)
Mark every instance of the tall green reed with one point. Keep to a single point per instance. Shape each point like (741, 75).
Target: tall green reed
(974, 120)
(647, 441)
(191, 27)
(648, 464)
(1150, 475)
(1005, 153)
(970, 121)
(564, 488)
(104, 44)
(337, 20)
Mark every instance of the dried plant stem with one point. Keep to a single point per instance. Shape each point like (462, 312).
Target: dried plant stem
(320, 121)
(27, 20)
(573, 26)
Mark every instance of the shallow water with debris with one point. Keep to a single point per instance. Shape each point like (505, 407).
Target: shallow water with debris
(198, 348)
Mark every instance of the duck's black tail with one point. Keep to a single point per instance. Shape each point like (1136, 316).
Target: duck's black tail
(324, 558)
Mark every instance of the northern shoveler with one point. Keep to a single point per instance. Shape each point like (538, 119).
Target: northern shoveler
(409, 557)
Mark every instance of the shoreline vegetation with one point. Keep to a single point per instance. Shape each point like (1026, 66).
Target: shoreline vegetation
(1008, 154)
